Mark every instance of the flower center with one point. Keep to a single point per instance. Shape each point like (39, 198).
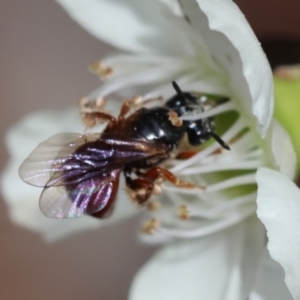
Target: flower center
(229, 178)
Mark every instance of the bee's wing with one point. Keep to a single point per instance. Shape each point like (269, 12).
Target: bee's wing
(70, 158)
(80, 173)
(49, 159)
(94, 196)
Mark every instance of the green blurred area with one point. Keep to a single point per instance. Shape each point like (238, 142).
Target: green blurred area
(287, 109)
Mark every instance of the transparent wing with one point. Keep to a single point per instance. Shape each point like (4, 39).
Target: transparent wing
(80, 173)
(50, 157)
(68, 158)
(94, 196)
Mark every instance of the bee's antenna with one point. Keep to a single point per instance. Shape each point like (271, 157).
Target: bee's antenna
(219, 140)
(177, 88)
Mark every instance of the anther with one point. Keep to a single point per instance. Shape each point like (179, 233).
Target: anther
(100, 102)
(137, 100)
(153, 205)
(82, 102)
(175, 120)
(183, 212)
(87, 105)
(150, 226)
(100, 69)
(157, 189)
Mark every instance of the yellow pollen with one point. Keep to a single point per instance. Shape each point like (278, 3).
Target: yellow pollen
(136, 100)
(99, 68)
(87, 105)
(150, 226)
(135, 195)
(157, 189)
(100, 102)
(175, 120)
(183, 212)
(153, 205)
(82, 102)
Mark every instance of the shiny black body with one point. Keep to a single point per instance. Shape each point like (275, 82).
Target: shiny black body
(154, 125)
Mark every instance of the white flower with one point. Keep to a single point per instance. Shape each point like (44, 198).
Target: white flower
(219, 252)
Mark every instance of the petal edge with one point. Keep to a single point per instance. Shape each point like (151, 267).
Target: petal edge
(278, 203)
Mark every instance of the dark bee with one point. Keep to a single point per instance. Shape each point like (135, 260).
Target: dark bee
(80, 173)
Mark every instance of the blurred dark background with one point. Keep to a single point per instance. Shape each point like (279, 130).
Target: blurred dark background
(43, 58)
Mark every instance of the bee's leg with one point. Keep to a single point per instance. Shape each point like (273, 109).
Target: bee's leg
(92, 112)
(139, 189)
(93, 118)
(186, 154)
(128, 104)
(156, 172)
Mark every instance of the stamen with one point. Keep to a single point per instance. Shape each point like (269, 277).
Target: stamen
(175, 120)
(253, 154)
(157, 189)
(232, 182)
(204, 153)
(87, 105)
(99, 68)
(183, 212)
(150, 226)
(134, 101)
(220, 209)
(149, 74)
(245, 141)
(100, 102)
(222, 167)
(175, 198)
(82, 102)
(153, 205)
(148, 100)
(190, 191)
(229, 220)
(227, 106)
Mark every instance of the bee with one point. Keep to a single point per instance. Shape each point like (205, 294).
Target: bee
(80, 173)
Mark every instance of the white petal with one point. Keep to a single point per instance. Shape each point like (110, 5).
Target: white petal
(217, 267)
(283, 150)
(131, 25)
(270, 281)
(279, 209)
(139, 74)
(234, 45)
(22, 199)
